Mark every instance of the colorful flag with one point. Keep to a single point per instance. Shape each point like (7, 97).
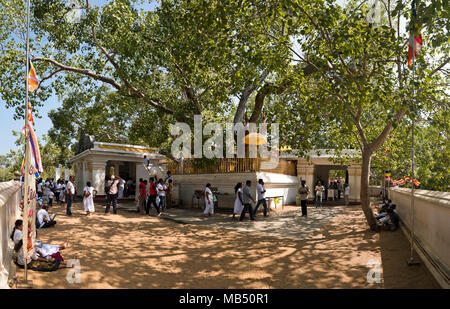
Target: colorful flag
(29, 215)
(33, 80)
(416, 182)
(401, 182)
(415, 39)
(35, 153)
(30, 113)
(408, 179)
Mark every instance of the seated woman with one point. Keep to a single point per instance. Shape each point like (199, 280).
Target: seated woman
(45, 257)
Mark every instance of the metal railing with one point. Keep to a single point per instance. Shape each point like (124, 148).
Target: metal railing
(231, 165)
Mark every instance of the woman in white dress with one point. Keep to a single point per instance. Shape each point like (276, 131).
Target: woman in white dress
(209, 203)
(238, 206)
(88, 198)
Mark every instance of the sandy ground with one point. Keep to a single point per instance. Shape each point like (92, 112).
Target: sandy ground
(132, 251)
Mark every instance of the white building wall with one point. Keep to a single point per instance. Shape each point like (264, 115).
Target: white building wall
(276, 185)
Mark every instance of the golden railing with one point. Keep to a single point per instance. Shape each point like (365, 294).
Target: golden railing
(232, 165)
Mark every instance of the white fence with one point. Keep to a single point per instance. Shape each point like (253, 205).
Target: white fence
(9, 213)
(431, 228)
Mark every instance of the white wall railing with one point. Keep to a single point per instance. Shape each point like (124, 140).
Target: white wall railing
(9, 213)
(431, 228)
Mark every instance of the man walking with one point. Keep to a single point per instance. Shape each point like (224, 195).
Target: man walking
(261, 192)
(111, 191)
(152, 197)
(142, 196)
(303, 191)
(247, 199)
(70, 192)
(161, 190)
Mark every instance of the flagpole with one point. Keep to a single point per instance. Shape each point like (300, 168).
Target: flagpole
(411, 258)
(25, 214)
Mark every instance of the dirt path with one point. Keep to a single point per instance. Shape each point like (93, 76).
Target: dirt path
(132, 251)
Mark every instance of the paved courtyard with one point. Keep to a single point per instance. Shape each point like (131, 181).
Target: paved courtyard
(332, 248)
(287, 223)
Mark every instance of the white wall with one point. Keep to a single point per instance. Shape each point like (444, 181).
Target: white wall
(275, 184)
(431, 227)
(9, 213)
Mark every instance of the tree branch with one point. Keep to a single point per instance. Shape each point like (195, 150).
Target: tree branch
(85, 72)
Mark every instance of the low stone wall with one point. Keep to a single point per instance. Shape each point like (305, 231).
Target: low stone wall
(431, 227)
(9, 213)
(277, 185)
(374, 191)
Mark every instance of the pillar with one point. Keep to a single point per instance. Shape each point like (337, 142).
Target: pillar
(98, 176)
(354, 180)
(305, 171)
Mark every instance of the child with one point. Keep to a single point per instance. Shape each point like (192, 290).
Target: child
(50, 197)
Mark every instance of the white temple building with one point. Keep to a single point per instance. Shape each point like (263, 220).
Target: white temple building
(100, 160)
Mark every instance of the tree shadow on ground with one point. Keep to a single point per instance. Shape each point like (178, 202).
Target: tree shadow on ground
(132, 251)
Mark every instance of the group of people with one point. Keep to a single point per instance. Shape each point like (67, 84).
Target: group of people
(332, 190)
(244, 200)
(45, 257)
(61, 191)
(387, 216)
(156, 192)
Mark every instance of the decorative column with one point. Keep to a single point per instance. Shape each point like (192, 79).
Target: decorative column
(354, 180)
(98, 176)
(305, 171)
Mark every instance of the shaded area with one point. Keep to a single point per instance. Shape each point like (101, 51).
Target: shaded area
(132, 251)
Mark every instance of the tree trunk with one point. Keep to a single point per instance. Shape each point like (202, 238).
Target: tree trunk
(364, 192)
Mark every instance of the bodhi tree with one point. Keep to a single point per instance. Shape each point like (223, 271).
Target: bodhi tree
(360, 88)
(181, 59)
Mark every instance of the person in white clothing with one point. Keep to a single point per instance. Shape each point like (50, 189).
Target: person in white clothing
(161, 188)
(261, 192)
(238, 205)
(319, 193)
(209, 203)
(43, 218)
(43, 252)
(50, 197)
(39, 187)
(121, 187)
(346, 193)
(88, 198)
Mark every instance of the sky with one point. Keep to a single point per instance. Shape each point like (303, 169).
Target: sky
(42, 125)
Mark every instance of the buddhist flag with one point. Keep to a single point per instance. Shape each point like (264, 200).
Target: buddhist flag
(408, 179)
(33, 80)
(387, 175)
(416, 182)
(35, 153)
(415, 39)
(30, 114)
